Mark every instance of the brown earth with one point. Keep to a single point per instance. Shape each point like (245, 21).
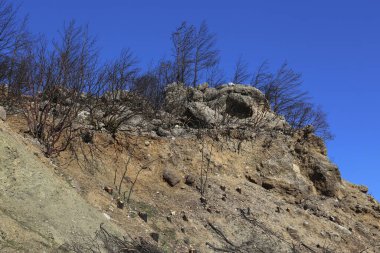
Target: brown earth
(276, 193)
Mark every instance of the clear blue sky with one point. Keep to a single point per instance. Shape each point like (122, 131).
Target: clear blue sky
(335, 44)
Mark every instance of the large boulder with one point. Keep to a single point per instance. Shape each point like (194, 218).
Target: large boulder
(3, 114)
(205, 107)
(200, 115)
(175, 99)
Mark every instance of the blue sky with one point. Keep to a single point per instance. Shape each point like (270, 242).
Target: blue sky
(334, 44)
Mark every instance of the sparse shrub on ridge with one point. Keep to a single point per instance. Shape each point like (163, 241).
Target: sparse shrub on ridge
(51, 83)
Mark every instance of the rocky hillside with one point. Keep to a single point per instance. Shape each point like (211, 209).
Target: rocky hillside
(214, 171)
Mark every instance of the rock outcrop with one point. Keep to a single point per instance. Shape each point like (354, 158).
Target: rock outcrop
(227, 105)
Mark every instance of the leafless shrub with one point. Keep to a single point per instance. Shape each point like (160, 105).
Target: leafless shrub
(141, 169)
(114, 98)
(15, 41)
(55, 86)
(215, 76)
(241, 74)
(262, 240)
(149, 87)
(283, 91)
(116, 103)
(104, 241)
(122, 195)
(205, 167)
(205, 56)
(194, 52)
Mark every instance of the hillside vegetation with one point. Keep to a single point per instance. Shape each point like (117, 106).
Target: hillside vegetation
(105, 156)
(207, 177)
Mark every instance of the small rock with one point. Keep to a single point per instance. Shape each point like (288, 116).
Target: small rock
(147, 143)
(254, 178)
(361, 209)
(238, 190)
(334, 236)
(293, 233)
(299, 148)
(107, 216)
(363, 188)
(177, 131)
(189, 180)
(109, 190)
(120, 204)
(203, 200)
(267, 185)
(87, 137)
(143, 216)
(344, 230)
(223, 188)
(162, 133)
(306, 224)
(169, 218)
(185, 218)
(155, 236)
(171, 178)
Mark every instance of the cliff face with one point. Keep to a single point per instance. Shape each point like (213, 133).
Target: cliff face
(216, 171)
(38, 210)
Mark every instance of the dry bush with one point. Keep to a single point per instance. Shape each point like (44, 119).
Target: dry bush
(15, 41)
(106, 242)
(111, 100)
(286, 97)
(56, 81)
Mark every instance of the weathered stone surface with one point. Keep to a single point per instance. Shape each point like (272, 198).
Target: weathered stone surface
(324, 175)
(206, 107)
(196, 95)
(200, 115)
(210, 94)
(175, 98)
